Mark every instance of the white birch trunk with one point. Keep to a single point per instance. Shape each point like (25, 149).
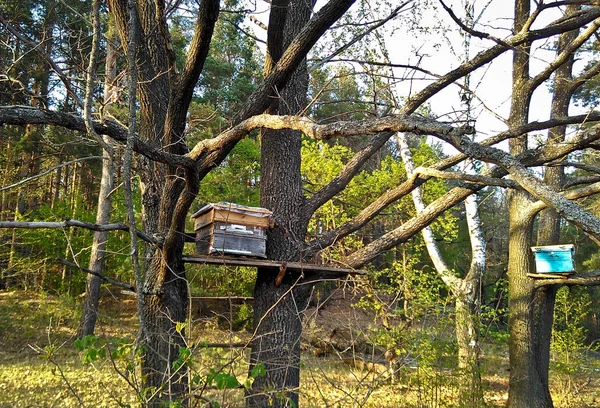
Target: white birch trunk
(466, 291)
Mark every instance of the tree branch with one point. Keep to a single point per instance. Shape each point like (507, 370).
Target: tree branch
(591, 278)
(47, 58)
(340, 182)
(479, 34)
(103, 277)
(198, 51)
(433, 210)
(488, 55)
(471, 178)
(359, 37)
(50, 170)
(567, 209)
(25, 115)
(80, 224)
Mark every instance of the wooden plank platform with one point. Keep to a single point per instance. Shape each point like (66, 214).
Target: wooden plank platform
(264, 263)
(550, 275)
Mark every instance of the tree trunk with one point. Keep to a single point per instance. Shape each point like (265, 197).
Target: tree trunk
(467, 304)
(107, 184)
(526, 388)
(92, 287)
(549, 221)
(466, 291)
(278, 302)
(165, 304)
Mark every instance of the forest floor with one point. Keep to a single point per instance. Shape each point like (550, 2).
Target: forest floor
(40, 366)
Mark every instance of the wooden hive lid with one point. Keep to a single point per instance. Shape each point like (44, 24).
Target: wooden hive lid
(232, 207)
(553, 248)
(232, 213)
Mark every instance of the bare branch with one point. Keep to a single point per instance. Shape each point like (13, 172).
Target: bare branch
(46, 57)
(571, 195)
(103, 277)
(488, 55)
(341, 180)
(471, 31)
(25, 115)
(471, 178)
(577, 181)
(90, 80)
(359, 37)
(567, 209)
(75, 223)
(591, 278)
(437, 207)
(50, 170)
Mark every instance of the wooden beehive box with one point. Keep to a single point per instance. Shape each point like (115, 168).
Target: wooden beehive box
(232, 229)
(554, 259)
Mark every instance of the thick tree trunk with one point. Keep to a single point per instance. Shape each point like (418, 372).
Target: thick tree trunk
(278, 305)
(279, 302)
(549, 220)
(165, 304)
(525, 387)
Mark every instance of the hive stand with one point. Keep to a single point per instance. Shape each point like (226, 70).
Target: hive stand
(310, 271)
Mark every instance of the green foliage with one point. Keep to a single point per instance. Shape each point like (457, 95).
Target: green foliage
(321, 162)
(569, 333)
(222, 380)
(233, 66)
(235, 180)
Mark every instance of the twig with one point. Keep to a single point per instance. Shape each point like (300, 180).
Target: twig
(48, 356)
(101, 276)
(50, 170)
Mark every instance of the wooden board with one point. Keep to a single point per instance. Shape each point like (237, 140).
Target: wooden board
(550, 275)
(218, 215)
(264, 263)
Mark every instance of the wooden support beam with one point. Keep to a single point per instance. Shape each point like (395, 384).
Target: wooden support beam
(264, 263)
(550, 275)
(224, 298)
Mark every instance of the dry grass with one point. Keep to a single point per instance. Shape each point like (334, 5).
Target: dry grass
(29, 321)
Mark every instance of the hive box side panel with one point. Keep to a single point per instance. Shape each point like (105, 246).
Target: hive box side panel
(218, 239)
(235, 244)
(554, 262)
(241, 218)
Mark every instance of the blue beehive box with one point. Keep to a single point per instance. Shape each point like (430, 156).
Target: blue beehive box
(554, 259)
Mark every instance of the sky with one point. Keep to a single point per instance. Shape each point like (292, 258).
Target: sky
(491, 83)
(433, 40)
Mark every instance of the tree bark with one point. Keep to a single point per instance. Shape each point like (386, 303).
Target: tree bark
(525, 387)
(279, 304)
(466, 291)
(549, 220)
(89, 313)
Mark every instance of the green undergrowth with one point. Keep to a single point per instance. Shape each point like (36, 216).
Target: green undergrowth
(40, 365)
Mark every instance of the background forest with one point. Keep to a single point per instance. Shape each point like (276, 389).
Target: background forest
(422, 148)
